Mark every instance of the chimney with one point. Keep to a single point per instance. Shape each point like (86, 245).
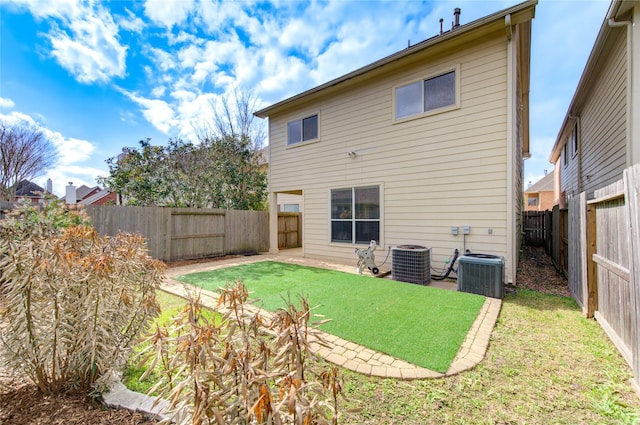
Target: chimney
(70, 194)
(456, 14)
(49, 186)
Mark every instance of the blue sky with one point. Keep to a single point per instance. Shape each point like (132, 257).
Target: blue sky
(100, 76)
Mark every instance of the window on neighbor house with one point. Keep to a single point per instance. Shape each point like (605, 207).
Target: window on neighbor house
(532, 201)
(302, 130)
(573, 139)
(565, 154)
(291, 207)
(425, 95)
(355, 215)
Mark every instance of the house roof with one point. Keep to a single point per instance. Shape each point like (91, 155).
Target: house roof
(95, 197)
(545, 184)
(85, 190)
(502, 20)
(27, 188)
(599, 53)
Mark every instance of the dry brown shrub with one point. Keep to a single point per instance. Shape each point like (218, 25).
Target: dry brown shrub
(76, 301)
(238, 367)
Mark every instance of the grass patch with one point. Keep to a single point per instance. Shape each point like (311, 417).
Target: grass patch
(546, 364)
(170, 306)
(422, 325)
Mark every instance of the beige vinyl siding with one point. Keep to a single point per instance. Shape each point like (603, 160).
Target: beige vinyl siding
(434, 172)
(602, 141)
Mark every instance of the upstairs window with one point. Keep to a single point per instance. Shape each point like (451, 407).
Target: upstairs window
(355, 215)
(302, 130)
(425, 95)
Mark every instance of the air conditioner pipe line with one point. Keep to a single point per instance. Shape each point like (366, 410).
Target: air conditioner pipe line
(450, 269)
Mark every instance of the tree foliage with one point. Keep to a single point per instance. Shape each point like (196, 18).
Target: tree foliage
(76, 301)
(220, 172)
(25, 153)
(224, 169)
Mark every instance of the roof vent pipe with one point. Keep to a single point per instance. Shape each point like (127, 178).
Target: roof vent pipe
(456, 14)
(441, 21)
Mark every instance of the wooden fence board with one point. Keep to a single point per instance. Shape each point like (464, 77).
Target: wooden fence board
(186, 233)
(632, 193)
(576, 249)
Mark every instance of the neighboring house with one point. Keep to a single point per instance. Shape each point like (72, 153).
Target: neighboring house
(29, 190)
(84, 192)
(372, 159)
(86, 195)
(102, 197)
(600, 135)
(540, 196)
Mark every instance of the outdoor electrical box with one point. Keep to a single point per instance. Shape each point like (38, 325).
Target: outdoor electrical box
(466, 230)
(454, 230)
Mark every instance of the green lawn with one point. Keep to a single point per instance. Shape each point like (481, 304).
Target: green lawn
(419, 324)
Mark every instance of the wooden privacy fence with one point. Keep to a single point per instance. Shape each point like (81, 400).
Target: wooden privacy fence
(604, 261)
(548, 229)
(186, 233)
(289, 230)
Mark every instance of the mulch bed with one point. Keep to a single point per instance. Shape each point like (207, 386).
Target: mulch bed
(22, 404)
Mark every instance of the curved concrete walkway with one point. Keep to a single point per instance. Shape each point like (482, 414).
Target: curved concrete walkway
(345, 353)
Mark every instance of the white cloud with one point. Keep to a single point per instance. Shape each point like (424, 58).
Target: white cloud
(92, 52)
(158, 112)
(6, 103)
(84, 38)
(70, 150)
(168, 13)
(130, 22)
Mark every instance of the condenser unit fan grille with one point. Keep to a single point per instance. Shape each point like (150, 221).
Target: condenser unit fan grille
(481, 274)
(411, 263)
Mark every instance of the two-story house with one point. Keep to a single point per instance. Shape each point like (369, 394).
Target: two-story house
(409, 147)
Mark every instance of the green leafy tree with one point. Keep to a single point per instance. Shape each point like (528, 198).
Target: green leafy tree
(224, 170)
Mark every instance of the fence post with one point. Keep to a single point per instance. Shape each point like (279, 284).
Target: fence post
(632, 198)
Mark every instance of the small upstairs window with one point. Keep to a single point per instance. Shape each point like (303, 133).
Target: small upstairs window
(302, 130)
(426, 95)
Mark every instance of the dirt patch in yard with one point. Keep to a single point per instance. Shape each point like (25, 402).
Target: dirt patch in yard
(536, 271)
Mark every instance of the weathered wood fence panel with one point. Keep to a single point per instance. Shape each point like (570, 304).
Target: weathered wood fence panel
(289, 230)
(604, 262)
(534, 227)
(632, 194)
(3, 207)
(612, 307)
(186, 233)
(576, 249)
(246, 232)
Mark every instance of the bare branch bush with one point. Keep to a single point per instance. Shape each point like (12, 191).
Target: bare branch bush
(25, 152)
(76, 301)
(243, 368)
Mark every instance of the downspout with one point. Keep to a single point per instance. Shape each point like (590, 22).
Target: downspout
(629, 108)
(511, 250)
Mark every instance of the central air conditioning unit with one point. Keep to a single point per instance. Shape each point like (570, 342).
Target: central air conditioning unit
(481, 274)
(411, 263)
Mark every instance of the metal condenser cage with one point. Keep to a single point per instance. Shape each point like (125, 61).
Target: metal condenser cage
(411, 263)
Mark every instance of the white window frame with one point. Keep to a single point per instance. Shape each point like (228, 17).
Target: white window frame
(353, 220)
(456, 105)
(301, 121)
